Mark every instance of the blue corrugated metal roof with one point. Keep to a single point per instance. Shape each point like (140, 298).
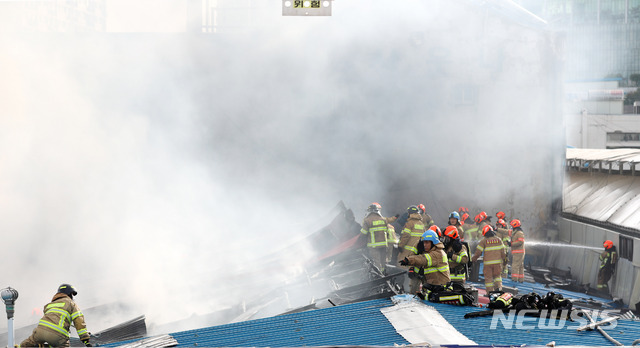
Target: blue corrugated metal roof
(362, 324)
(353, 324)
(480, 329)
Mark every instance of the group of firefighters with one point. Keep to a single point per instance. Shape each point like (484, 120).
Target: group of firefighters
(435, 256)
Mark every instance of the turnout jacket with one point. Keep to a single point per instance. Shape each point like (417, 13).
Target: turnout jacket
(517, 241)
(375, 226)
(608, 259)
(435, 265)
(410, 236)
(494, 251)
(60, 313)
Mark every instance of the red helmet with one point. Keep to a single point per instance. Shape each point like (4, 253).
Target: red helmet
(607, 244)
(422, 207)
(480, 217)
(515, 223)
(463, 210)
(436, 229)
(465, 216)
(486, 229)
(451, 231)
(502, 223)
(501, 215)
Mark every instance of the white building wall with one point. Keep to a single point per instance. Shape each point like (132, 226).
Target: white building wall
(590, 131)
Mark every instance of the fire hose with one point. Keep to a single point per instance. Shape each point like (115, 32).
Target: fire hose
(606, 335)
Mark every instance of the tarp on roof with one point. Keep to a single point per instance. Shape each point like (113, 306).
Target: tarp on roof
(420, 323)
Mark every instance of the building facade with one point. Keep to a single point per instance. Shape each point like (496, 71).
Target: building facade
(602, 36)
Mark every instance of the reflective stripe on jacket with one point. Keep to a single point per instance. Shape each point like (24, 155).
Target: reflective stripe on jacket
(493, 249)
(376, 227)
(435, 264)
(60, 313)
(517, 241)
(410, 236)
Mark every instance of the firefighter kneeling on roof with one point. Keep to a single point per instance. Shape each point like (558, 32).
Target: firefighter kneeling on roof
(54, 326)
(494, 254)
(433, 262)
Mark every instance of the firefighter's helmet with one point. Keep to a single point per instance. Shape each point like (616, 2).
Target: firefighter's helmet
(478, 219)
(463, 210)
(465, 216)
(413, 210)
(436, 229)
(607, 244)
(452, 232)
(502, 223)
(68, 290)
(422, 208)
(501, 215)
(515, 223)
(454, 214)
(374, 208)
(486, 228)
(431, 236)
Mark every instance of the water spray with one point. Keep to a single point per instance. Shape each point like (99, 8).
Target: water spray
(561, 245)
(9, 297)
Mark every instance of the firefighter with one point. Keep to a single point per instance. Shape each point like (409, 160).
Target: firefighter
(426, 218)
(608, 261)
(54, 326)
(433, 261)
(375, 226)
(517, 251)
(470, 229)
(454, 220)
(501, 215)
(505, 235)
(457, 254)
(482, 220)
(409, 244)
(411, 233)
(494, 254)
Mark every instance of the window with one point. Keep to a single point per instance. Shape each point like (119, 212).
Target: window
(626, 248)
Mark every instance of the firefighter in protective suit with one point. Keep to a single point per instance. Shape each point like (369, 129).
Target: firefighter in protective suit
(457, 254)
(505, 235)
(54, 326)
(517, 251)
(433, 261)
(375, 227)
(494, 254)
(608, 261)
(411, 233)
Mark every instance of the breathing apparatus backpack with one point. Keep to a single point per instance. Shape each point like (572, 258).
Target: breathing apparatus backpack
(452, 293)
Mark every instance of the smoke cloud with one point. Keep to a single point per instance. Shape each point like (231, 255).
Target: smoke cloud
(158, 169)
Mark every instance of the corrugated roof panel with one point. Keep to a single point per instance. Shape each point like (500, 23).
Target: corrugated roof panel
(601, 154)
(603, 197)
(482, 332)
(353, 324)
(363, 324)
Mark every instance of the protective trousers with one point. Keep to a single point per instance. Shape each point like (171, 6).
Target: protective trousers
(492, 277)
(517, 268)
(379, 257)
(43, 335)
(603, 278)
